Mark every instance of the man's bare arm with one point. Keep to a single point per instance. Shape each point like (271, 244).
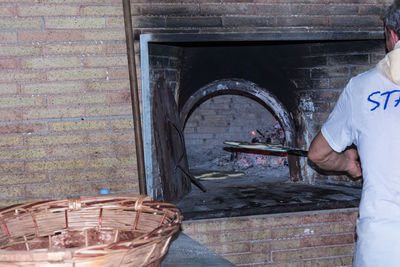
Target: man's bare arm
(327, 159)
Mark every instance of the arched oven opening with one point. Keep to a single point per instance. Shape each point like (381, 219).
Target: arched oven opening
(234, 111)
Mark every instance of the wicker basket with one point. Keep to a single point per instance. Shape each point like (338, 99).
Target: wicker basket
(92, 231)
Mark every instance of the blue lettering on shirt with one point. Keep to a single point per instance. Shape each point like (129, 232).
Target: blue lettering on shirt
(383, 97)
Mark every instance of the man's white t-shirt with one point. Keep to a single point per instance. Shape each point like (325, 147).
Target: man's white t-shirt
(367, 114)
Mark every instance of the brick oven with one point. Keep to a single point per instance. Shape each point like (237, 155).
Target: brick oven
(290, 82)
(228, 86)
(240, 71)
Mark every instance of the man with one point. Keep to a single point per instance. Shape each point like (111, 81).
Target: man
(367, 114)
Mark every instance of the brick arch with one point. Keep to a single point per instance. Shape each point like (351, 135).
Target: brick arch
(252, 91)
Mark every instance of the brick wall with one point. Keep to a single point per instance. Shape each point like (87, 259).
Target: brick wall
(222, 118)
(66, 120)
(318, 238)
(66, 116)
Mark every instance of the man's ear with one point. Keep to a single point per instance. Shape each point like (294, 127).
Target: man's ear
(395, 37)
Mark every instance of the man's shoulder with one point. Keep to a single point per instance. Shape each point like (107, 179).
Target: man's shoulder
(365, 76)
(371, 78)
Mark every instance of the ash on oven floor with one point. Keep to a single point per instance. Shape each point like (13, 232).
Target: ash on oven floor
(244, 196)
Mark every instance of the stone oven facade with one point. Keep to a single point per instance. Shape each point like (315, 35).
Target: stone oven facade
(64, 79)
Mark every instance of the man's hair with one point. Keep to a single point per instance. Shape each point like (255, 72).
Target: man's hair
(392, 17)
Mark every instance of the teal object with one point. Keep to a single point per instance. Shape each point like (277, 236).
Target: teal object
(104, 191)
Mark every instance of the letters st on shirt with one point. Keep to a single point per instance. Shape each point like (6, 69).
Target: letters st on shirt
(384, 100)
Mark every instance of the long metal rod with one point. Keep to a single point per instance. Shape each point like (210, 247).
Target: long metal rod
(134, 95)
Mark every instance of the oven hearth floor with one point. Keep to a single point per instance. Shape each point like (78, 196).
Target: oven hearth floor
(244, 196)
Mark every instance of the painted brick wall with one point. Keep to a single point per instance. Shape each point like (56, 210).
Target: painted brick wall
(65, 116)
(318, 238)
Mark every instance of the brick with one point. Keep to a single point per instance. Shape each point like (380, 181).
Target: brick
(31, 178)
(55, 62)
(106, 111)
(346, 227)
(20, 154)
(20, 23)
(108, 86)
(268, 246)
(51, 36)
(355, 70)
(8, 88)
(82, 151)
(11, 191)
(8, 37)
(49, 140)
(371, 9)
(222, 225)
(76, 74)
(122, 124)
(66, 177)
(12, 167)
(47, 10)
(296, 231)
(311, 253)
(285, 264)
(113, 162)
(306, 21)
(339, 261)
(327, 240)
(225, 9)
(17, 102)
(123, 97)
(230, 248)
(273, 221)
(330, 217)
(75, 23)
(348, 59)
(53, 113)
(8, 63)
(21, 76)
(119, 186)
(10, 141)
(7, 11)
(243, 235)
(112, 61)
(56, 165)
(117, 48)
(105, 35)
(23, 127)
(126, 172)
(369, 22)
(118, 74)
(77, 99)
(20, 50)
(52, 88)
(55, 190)
(73, 49)
(248, 21)
(246, 258)
(78, 125)
(102, 11)
(11, 115)
(114, 137)
(165, 10)
(188, 22)
(137, 22)
(330, 72)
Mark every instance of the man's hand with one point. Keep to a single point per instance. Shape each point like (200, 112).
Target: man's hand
(353, 163)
